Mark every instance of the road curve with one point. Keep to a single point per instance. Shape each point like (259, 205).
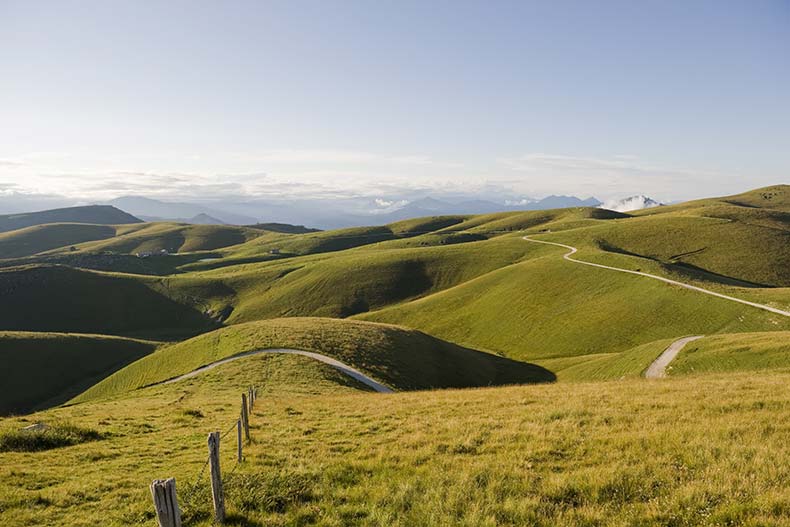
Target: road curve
(658, 368)
(341, 367)
(573, 250)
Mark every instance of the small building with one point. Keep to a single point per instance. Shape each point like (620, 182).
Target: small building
(274, 251)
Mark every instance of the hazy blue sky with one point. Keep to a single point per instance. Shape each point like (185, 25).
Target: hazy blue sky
(674, 99)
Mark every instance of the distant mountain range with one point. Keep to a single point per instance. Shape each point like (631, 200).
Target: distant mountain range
(330, 213)
(154, 210)
(96, 214)
(319, 212)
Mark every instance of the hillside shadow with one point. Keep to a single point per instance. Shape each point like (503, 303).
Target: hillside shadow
(685, 269)
(61, 299)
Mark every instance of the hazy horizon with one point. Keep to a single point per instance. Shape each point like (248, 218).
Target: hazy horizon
(199, 101)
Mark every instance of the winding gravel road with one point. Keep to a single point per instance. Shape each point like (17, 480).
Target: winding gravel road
(658, 368)
(573, 250)
(341, 367)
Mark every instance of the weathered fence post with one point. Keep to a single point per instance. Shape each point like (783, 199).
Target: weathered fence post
(238, 436)
(251, 398)
(216, 477)
(166, 503)
(245, 418)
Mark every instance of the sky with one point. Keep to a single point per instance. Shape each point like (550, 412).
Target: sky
(236, 99)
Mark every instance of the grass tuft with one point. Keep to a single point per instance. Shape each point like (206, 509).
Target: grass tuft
(269, 492)
(52, 436)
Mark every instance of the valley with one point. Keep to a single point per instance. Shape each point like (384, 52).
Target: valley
(516, 340)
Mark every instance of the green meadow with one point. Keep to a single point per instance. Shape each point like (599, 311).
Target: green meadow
(520, 397)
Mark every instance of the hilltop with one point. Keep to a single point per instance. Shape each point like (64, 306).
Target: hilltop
(95, 214)
(403, 359)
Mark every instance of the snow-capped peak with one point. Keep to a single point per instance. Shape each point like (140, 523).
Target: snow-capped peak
(631, 203)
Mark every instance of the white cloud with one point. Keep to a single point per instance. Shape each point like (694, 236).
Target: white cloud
(339, 174)
(613, 177)
(385, 204)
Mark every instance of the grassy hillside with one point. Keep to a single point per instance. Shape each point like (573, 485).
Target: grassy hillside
(46, 369)
(172, 237)
(697, 247)
(95, 214)
(358, 281)
(715, 353)
(60, 299)
(468, 279)
(402, 358)
(286, 228)
(740, 352)
(707, 450)
(628, 364)
(548, 307)
(775, 197)
(41, 238)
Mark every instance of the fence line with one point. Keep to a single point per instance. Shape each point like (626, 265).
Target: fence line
(163, 492)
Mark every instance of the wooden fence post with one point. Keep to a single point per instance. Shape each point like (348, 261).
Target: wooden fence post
(216, 477)
(166, 503)
(250, 398)
(245, 418)
(238, 436)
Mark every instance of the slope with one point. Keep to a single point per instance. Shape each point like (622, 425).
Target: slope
(60, 299)
(172, 237)
(548, 307)
(402, 358)
(739, 352)
(710, 449)
(96, 214)
(41, 238)
(45, 369)
(344, 283)
(734, 250)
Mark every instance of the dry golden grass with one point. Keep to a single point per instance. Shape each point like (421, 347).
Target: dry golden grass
(708, 450)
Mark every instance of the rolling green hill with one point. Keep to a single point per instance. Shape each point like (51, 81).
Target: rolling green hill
(41, 238)
(548, 307)
(705, 445)
(46, 369)
(172, 237)
(699, 247)
(95, 214)
(286, 228)
(775, 197)
(402, 358)
(60, 299)
(739, 352)
(471, 280)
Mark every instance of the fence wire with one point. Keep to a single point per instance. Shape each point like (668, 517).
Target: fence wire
(229, 430)
(191, 489)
